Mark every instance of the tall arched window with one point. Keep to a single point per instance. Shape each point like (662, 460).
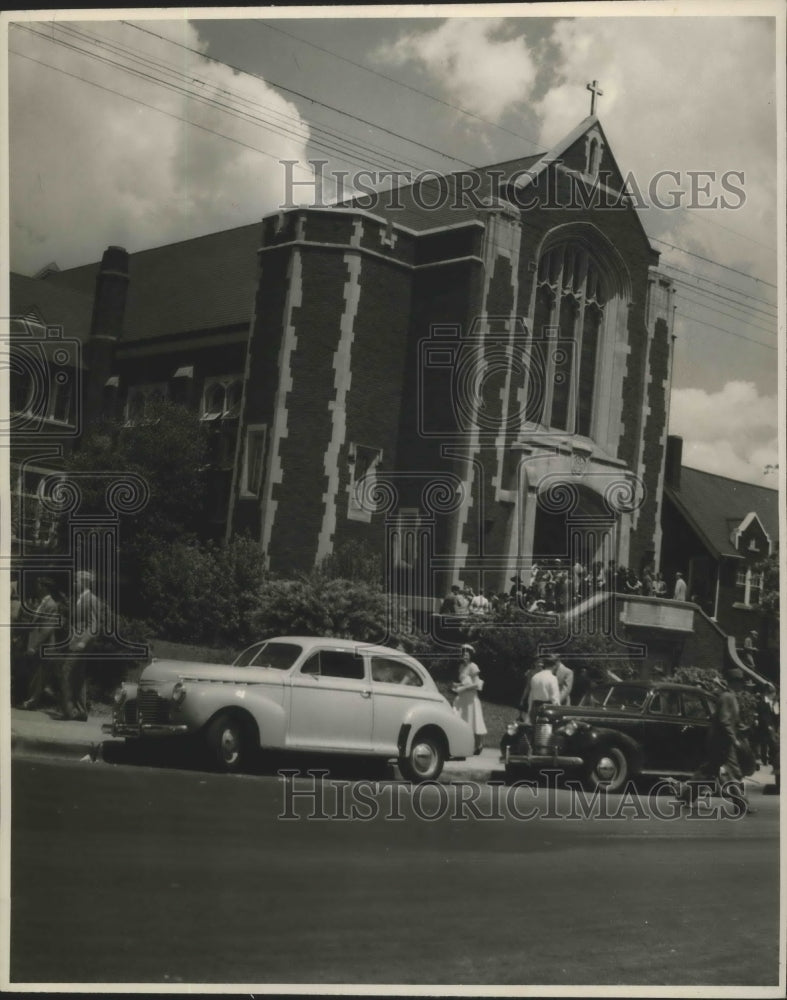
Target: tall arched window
(572, 292)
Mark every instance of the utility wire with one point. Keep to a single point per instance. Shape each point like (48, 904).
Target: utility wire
(742, 306)
(710, 281)
(399, 83)
(708, 260)
(297, 93)
(722, 312)
(721, 329)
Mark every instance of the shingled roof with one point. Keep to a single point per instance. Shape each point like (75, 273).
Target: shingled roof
(34, 297)
(714, 505)
(206, 283)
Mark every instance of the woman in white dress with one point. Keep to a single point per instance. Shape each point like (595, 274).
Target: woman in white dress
(467, 703)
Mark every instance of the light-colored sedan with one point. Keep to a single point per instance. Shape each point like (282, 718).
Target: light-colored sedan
(300, 693)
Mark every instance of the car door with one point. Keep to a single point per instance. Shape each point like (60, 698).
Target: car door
(696, 716)
(396, 686)
(331, 703)
(663, 732)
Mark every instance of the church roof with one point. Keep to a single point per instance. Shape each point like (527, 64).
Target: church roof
(205, 283)
(47, 303)
(715, 505)
(448, 211)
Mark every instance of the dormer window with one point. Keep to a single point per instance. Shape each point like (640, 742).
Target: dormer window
(221, 397)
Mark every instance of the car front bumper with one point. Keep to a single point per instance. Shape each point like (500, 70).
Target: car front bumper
(536, 760)
(133, 730)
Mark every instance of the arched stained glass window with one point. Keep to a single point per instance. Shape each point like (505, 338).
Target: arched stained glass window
(569, 319)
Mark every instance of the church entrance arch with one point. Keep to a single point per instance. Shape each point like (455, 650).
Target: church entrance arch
(572, 524)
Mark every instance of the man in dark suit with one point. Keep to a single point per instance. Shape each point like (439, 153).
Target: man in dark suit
(721, 763)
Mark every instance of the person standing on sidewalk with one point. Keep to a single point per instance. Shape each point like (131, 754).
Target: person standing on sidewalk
(467, 703)
(84, 634)
(544, 689)
(50, 604)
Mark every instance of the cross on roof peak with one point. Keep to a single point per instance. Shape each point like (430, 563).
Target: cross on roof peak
(595, 91)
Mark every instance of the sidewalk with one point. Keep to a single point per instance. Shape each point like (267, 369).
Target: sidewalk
(41, 733)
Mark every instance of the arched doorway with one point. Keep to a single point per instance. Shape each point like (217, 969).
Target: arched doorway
(573, 524)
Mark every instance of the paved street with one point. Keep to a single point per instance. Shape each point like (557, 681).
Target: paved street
(133, 874)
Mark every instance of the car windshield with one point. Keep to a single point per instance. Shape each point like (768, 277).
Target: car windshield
(276, 655)
(624, 696)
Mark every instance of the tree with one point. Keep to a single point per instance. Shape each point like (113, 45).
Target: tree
(169, 451)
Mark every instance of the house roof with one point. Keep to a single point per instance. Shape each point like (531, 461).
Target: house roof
(715, 505)
(51, 305)
(204, 283)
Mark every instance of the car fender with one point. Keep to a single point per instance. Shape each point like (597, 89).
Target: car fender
(459, 736)
(600, 737)
(204, 702)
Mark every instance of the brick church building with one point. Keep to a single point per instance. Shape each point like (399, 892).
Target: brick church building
(470, 374)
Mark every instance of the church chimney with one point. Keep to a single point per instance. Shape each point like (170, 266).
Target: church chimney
(673, 461)
(106, 327)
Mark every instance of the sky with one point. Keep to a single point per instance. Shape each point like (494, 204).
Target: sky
(152, 131)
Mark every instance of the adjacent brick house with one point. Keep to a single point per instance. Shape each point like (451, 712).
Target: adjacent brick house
(470, 375)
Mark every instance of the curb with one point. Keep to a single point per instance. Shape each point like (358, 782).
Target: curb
(58, 748)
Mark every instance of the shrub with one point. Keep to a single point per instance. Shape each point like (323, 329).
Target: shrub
(316, 605)
(204, 593)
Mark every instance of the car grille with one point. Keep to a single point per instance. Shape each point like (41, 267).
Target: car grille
(152, 708)
(542, 736)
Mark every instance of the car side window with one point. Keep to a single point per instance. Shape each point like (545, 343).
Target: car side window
(695, 707)
(665, 703)
(389, 671)
(335, 663)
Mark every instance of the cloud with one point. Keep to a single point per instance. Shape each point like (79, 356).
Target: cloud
(476, 67)
(695, 117)
(731, 432)
(90, 168)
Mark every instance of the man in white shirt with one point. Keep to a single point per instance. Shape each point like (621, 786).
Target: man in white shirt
(544, 688)
(680, 588)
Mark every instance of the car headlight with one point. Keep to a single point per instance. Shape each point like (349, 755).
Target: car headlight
(120, 695)
(178, 692)
(569, 729)
(512, 728)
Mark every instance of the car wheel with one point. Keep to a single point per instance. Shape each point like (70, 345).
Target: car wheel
(608, 770)
(228, 743)
(425, 760)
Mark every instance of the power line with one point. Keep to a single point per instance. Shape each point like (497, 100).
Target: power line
(710, 281)
(721, 329)
(714, 222)
(129, 52)
(708, 260)
(210, 102)
(722, 312)
(297, 93)
(238, 113)
(744, 307)
(152, 107)
(399, 83)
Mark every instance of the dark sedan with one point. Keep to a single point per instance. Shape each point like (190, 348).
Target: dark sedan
(621, 729)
